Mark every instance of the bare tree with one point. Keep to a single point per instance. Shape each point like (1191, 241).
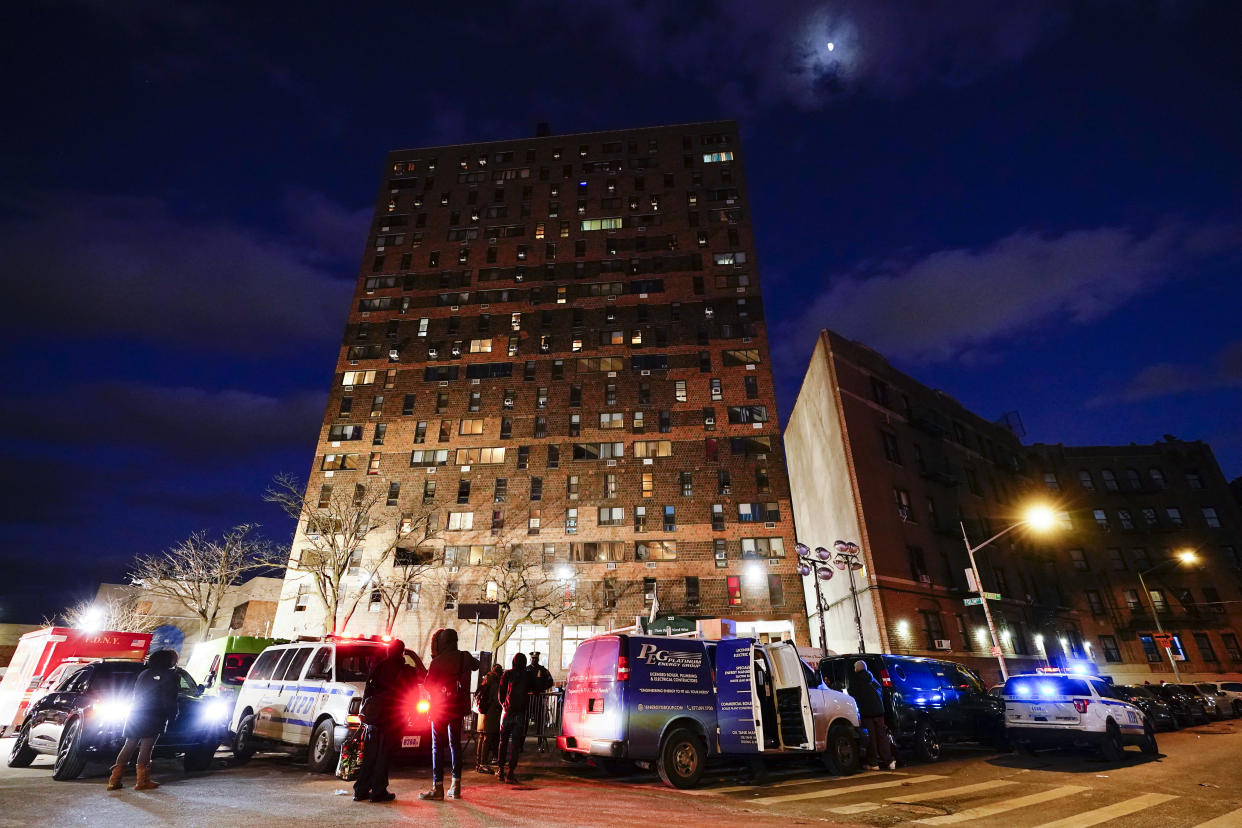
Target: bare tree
(115, 612)
(348, 537)
(199, 571)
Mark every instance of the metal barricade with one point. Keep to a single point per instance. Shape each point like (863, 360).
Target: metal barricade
(545, 714)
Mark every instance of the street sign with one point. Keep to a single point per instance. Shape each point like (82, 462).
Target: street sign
(971, 584)
(1163, 639)
(488, 611)
(992, 596)
(972, 602)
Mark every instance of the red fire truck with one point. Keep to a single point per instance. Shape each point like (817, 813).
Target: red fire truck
(42, 651)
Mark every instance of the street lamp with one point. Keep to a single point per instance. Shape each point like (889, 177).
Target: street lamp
(1039, 518)
(847, 558)
(1185, 556)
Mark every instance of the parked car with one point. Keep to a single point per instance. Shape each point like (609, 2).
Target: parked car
(1070, 710)
(1157, 709)
(298, 695)
(1228, 695)
(221, 664)
(927, 701)
(83, 719)
(676, 703)
(1214, 710)
(1186, 708)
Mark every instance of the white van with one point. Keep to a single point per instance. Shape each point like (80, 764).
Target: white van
(297, 695)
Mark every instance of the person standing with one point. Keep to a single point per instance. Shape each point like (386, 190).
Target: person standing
(385, 710)
(541, 683)
(487, 703)
(448, 685)
(152, 703)
(868, 694)
(515, 689)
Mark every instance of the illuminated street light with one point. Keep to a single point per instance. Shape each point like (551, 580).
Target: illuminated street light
(1182, 556)
(1039, 517)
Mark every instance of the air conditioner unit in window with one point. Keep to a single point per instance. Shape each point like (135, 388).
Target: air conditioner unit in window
(708, 312)
(475, 381)
(769, 524)
(508, 402)
(943, 644)
(394, 354)
(648, 596)
(709, 421)
(456, 351)
(925, 579)
(610, 565)
(485, 306)
(612, 297)
(353, 362)
(518, 277)
(444, 383)
(746, 339)
(774, 561)
(454, 307)
(726, 490)
(433, 353)
(645, 373)
(453, 568)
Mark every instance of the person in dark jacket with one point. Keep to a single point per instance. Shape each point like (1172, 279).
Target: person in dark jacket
(386, 701)
(541, 683)
(516, 685)
(868, 694)
(487, 702)
(152, 704)
(448, 685)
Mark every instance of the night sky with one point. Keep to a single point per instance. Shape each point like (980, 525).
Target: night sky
(1034, 206)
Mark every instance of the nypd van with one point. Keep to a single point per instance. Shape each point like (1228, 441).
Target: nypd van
(676, 703)
(298, 695)
(1056, 709)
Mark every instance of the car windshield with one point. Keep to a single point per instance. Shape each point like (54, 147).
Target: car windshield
(1232, 686)
(111, 679)
(235, 666)
(355, 662)
(1045, 687)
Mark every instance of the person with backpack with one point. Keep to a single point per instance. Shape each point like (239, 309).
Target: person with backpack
(487, 705)
(516, 685)
(154, 702)
(868, 693)
(448, 685)
(386, 700)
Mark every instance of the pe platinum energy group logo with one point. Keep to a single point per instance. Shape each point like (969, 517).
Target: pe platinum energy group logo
(652, 654)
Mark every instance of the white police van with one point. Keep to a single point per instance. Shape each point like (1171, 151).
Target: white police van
(1058, 709)
(676, 703)
(298, 695)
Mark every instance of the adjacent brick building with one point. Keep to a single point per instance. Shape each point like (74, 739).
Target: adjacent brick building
(878, 458)
(558, 345)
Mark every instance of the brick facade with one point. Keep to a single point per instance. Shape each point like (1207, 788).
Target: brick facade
(564, 293)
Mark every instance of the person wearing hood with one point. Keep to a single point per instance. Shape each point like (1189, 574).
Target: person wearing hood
(487, 703)
(448, 685)
(870, 698)
(152, 703)
(385, 710)
(516, 685)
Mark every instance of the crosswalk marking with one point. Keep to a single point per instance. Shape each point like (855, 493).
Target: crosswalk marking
(1006, 805)
(842, 791)
(1117, 809)
(964, 789)
(1230, 820)
(802, 780)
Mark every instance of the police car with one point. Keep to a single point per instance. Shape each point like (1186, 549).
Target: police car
(1058, 709)
(298, 695)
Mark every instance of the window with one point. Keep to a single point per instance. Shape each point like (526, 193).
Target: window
(480, 456)
(776, 591)
(1116, 561)
(1158, 600)
(918, 564)
(687, 484)
(1149, 517)
(1108, 644)
(670, 518)
(429, 491)
(1210, 517)
(536, 488)
(1086, 480)
(1204, 643)
(901, 498)
(892, 452)
(933, 630)
(1079, 559)
(611, 516)
(1094, 602)
(340, 462)
(1125, 518)
(612, 419)
(339, 433)
(1175, 515)
(1142, 560)
(655, 550)
(653, 448)
(1232, 650)
(394, 493)
(1157, 477)
(534, 522)
(679, 391)
(879, 391)
(752, 387)
(763, 548)
(325, 495)
(473, 426)
(1193, 480)
(1051, 482)
(1134, 479)
(460, 521)
(734, 588)
(1101, 519)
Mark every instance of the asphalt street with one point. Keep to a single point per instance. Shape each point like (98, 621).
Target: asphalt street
(1196, 781)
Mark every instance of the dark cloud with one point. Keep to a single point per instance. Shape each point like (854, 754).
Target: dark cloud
(1167, 379)
(179, 423)
(953, 302)
(336, 232)
(82, 265)
(777, 52)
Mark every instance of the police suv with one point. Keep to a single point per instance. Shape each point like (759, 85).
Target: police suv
(1059, 709)
(298, 695)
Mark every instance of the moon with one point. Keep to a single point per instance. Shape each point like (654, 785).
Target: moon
(831, 46)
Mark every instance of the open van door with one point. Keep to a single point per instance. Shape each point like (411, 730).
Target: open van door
(737, 703)
(793, 698)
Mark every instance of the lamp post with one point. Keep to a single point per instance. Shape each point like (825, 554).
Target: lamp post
(1186, 556)
(820, 565)
(1039, 518)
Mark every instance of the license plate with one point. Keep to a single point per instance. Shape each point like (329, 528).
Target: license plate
(1038, 711)
(410, 741)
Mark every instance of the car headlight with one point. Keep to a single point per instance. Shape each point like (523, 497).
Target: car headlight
(216, 710)
(113, 710)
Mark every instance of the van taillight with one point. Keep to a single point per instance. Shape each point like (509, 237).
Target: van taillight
(1081, 705)
(885, 679)
(623, 668)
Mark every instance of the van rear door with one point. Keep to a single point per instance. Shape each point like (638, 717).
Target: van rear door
(737, 702)
(793, 700)
(594, 710)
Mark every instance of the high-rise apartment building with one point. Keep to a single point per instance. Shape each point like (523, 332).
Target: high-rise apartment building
(556, 367)
(878, 458)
